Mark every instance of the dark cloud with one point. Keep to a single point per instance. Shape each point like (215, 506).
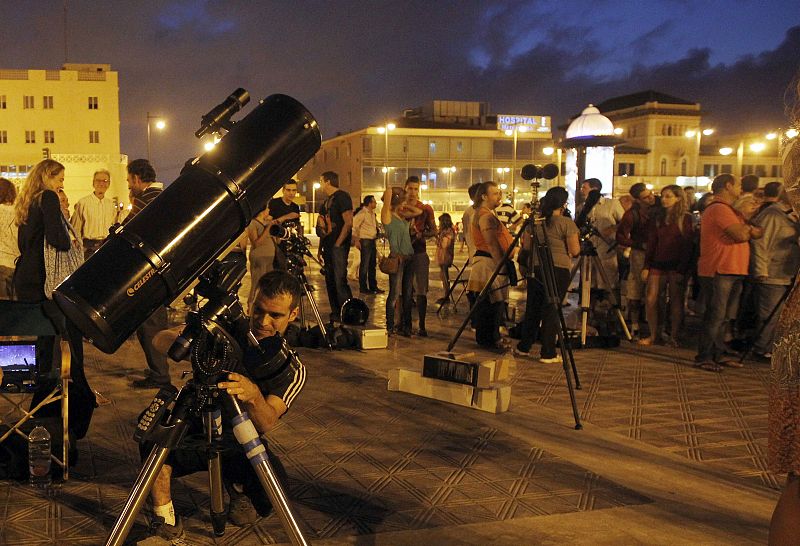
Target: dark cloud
(354, 63)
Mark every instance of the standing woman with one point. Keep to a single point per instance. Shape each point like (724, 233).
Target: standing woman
(783, 454)
(39, 218)
(398, 234)
(262, 251)
(8, 237)
(564, 244)
(667, 260)
(445, 248)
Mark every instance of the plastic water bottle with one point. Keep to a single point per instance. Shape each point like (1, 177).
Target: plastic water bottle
(39, 457)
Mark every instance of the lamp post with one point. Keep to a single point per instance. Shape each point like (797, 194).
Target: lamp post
(697, 134)
(515, 132)
(449, 171)
(160, 125)
(314, 189)
(384, 130)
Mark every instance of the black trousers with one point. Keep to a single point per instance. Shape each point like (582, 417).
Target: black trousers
(539, 311)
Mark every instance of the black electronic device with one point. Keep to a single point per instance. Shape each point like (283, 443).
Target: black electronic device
(19, 364)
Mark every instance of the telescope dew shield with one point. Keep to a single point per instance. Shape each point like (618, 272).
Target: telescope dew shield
(149, 261)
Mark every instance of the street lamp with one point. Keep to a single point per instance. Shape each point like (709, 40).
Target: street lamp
(384, 130)
(449, 170)
(314, 189)
(160, 125)
(515, 132)
(697, 134)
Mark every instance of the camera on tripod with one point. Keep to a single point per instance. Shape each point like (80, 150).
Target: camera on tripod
(293, 244)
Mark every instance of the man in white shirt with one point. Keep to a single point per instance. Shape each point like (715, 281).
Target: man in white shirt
(95, 214)
(365, 232)
(604, 216)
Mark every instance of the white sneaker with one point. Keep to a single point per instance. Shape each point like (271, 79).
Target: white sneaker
(554, 360)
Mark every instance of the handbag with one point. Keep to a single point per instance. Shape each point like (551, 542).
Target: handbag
(60, 264)
(389, 264)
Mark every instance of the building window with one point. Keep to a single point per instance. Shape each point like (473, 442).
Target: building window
(47, 102)
(3, 137)
(366, 145)
(726, 168)
(30, 137)
(349, 149)
(663, 167)
(432, 146)
(336, 153)
(459, 146)
(776, 171)
(93, 103)
(324, 156)
(709, 171)
(683, 168)
(626, 169)
(49, 137)
(3, 102)
(761, 170)
(747, 169)
(94, 137)
(27, 102)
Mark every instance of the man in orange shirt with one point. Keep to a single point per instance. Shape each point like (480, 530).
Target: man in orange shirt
(722, 267)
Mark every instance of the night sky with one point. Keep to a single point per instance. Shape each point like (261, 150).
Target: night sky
(356, 63)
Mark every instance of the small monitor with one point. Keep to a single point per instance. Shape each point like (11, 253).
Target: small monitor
(19, 365)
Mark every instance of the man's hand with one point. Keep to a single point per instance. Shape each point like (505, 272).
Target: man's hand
(241, 387)
(645, 274)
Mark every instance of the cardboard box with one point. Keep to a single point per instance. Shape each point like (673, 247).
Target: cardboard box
(370, 337)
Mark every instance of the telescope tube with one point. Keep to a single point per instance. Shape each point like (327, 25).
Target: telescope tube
(149, 261)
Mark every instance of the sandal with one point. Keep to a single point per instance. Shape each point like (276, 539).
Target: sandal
(709, 366)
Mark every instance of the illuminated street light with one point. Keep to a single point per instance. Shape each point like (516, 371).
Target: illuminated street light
(708, 132)
(698, 134)
(548, 150)
(618, 130)
(757, 147)
(791, 133)
(384, 130)
(727, 150)
(160, 125)
(504, 186)
(771, 136)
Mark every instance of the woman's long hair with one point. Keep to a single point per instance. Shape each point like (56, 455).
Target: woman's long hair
(482, 190)
(8, 192)
(445, 222)
(33, 188)
(554, 199)
(677, 212)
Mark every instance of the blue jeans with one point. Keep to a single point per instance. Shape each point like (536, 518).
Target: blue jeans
(768, 296)
(336, 276)
(400, 286)
(721, 289)
(366, 269)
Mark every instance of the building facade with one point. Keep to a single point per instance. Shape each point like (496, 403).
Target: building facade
(449, 145)
(666, 142)
(70, 115)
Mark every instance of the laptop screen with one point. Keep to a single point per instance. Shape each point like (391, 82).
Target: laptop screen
(17, 355)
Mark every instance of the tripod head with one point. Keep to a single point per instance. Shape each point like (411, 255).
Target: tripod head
(294, 245)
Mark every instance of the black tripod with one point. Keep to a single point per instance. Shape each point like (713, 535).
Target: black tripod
(295, 265)
(166, 429)
(545, 258)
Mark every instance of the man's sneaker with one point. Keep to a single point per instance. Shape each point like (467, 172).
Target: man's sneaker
(422, 332)
(241, 510)
(552, 360)
(159, 529)
(520, 352)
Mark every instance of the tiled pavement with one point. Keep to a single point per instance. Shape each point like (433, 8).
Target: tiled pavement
(365, 462)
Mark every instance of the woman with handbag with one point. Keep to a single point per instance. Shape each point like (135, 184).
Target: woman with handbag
(48, 250)
(398, 265)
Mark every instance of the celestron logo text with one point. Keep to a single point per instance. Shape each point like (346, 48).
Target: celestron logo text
(140, 283)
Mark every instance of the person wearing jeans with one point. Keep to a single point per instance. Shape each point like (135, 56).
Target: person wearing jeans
(723, 264)
(399, 236)
(365, 232)
(336, 218)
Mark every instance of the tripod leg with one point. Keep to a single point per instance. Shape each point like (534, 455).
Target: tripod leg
(586, 295)
(137, 496)
(315, 309)
(212, 424)
(613, 298)
(247, 436)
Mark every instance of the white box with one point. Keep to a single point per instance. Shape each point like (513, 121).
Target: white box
(370, 337)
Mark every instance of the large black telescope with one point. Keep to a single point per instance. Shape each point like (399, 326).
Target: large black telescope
(152, 259)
